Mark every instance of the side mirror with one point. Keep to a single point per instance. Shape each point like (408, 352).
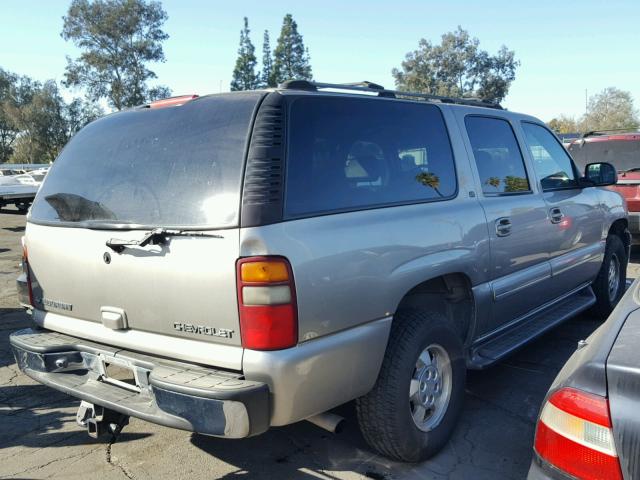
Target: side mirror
(601, 174)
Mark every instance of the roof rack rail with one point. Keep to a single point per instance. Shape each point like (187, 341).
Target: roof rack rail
(370, 87)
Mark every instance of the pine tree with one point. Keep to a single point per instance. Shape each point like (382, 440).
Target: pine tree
(244, 74)
(291, 59)
(266, 79)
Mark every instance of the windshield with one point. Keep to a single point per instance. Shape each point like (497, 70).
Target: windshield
(622, 154)
(175, 166)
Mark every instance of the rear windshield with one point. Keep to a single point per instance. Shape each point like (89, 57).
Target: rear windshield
(175, 166)
(352, 153)
(622, 154)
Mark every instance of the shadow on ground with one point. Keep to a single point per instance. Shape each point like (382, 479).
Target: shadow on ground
(4, 211)
(15, 229)
(33, 415)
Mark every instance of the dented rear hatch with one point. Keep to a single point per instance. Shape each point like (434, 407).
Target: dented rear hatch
(175, 171)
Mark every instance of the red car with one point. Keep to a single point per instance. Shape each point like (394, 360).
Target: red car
(622, 150)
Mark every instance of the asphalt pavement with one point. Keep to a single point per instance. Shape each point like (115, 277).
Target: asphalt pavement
(40, 439)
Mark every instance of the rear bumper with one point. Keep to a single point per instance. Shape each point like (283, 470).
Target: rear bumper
(174, 394)
(540, 470)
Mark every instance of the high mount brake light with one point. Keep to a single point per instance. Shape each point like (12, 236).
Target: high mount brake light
(574, 435)
(172, 102)
(267, 303)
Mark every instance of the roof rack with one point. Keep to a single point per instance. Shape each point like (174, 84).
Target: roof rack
(370, 87)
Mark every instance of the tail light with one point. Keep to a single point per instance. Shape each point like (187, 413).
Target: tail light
(25, 270)
(574, 435)
(267, 303)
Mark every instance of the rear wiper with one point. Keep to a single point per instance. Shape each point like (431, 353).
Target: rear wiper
(634, 169)
(157, 236)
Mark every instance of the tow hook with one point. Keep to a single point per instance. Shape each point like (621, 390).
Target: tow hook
(99, 420)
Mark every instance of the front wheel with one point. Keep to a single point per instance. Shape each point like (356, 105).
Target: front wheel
(411, 412)
(610, 284)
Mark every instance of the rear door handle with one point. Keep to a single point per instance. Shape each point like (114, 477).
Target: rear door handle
(556, 215)
(503, 227)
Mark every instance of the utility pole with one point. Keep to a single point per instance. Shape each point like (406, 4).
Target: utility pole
(586, 101)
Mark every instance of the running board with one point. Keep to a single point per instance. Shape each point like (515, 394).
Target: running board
(495, 348)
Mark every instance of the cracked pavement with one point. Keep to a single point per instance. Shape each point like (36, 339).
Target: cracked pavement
(40, 439)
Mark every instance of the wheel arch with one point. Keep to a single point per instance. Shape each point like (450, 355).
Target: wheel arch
(450, 294)
(620, 228)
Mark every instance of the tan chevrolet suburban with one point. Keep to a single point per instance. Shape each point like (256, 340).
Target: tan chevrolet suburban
(228, 263)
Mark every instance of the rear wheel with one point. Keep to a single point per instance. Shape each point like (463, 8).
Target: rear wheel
(609, 285)
(416, 401)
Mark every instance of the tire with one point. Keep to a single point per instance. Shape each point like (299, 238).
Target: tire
(608, 291)
(385, 413)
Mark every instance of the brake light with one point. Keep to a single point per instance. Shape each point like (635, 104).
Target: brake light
(574, 434)
(26, 271)
(172, 102)
(267, 303)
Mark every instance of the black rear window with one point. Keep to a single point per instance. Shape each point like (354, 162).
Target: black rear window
(354, 153)
(622, 154)
(175, 166)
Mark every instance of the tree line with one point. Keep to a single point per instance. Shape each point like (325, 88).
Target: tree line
(457, 66)
(610, 109)
(117, 40)
(35, 121)
(289, 60)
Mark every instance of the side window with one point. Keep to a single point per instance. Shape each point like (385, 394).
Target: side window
(550, 160)
(351, 153)
(497, 155)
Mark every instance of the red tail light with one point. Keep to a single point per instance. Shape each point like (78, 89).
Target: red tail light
(574, 435)
(267, 303)
(26, 271)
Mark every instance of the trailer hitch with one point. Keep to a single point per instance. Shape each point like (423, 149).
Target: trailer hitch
(100, 421)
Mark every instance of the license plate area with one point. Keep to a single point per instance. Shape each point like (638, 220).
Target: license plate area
(118, 372)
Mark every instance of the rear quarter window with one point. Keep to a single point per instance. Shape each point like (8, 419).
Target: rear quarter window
(350, 153)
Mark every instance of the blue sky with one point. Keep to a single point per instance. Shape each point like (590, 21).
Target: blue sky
(566, 47)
